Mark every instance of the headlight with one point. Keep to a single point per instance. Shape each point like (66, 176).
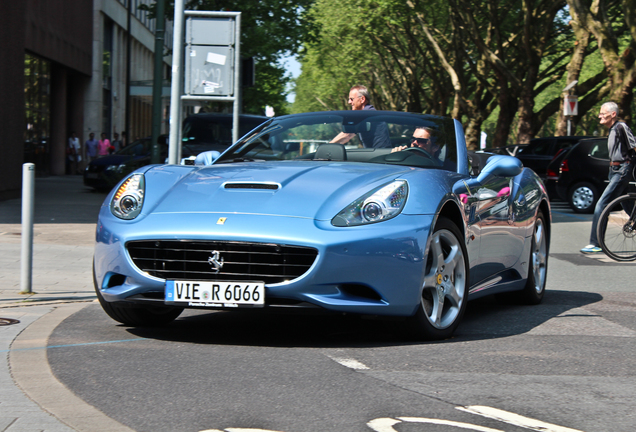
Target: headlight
(378, 205)
(129, 198)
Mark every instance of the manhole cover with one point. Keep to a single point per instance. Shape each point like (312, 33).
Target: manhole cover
(8, 321)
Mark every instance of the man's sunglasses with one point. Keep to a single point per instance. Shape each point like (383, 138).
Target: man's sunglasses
(421, 141)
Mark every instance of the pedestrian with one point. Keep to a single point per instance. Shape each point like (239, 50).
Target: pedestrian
(116, 143)
(92, 148)
(621, 144)
(378, 134)
(73, 152)
(124, 140)
(104, 146)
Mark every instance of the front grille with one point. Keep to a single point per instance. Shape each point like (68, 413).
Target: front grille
(188, 260)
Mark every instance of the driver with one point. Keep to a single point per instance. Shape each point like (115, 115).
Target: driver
(422, 139)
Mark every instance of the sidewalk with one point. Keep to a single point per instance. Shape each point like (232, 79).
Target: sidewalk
(63, 240)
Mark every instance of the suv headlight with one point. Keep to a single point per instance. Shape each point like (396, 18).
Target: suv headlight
(129, 198)
(380, 204)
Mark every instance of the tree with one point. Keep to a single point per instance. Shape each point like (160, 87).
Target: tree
(607, 21)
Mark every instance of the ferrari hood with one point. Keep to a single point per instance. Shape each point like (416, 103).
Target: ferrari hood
(307, 189)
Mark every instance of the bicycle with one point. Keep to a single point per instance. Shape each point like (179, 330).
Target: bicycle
(617, 228)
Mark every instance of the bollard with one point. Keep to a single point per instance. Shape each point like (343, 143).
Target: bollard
(28, 192)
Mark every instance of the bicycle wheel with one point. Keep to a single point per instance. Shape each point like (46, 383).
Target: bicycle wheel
(617, 228)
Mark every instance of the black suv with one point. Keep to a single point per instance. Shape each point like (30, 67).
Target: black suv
(579, 175)
(538, 154)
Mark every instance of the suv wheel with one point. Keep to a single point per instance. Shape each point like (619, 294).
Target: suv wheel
(582, 197)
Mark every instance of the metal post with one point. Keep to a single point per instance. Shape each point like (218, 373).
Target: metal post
(177, 79)
(129, 134)
(157, 85)
(237, 76)
(26, 262)
(569, 126)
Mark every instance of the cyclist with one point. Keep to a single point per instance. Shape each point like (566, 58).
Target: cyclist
(621, 144)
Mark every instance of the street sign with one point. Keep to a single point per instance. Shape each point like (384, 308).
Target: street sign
(210, 43)
(570, 105)
(210, 72)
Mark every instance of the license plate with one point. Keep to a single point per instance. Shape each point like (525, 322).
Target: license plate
(215, 294)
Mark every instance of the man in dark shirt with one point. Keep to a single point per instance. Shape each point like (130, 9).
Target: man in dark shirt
(620, 143)
(378, 134)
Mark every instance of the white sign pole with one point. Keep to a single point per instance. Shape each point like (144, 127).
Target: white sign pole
(175, 88)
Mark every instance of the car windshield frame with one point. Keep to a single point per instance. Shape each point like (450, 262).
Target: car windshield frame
(297, 138)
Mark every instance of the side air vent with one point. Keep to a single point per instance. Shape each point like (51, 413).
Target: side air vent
(253, 186)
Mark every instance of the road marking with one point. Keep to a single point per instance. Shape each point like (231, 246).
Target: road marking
(386, 424)
(514, 419)
(238, 430)
(350, 363)
(583, 218)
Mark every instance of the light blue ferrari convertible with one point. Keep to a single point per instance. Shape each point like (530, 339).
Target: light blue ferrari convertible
(364, 212)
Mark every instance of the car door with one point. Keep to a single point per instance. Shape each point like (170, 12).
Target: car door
(500, 243)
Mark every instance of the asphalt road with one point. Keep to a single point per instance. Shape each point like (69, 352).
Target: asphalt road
(567, 363)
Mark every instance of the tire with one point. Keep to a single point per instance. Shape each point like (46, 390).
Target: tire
(538, 263)
(444, 292)
(582, 197)
(616, 229)
(137, 316)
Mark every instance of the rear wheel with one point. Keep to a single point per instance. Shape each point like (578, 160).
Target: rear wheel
(137, 316)
(538, 270)
(582, 197)
(445, 287)
(617, 229)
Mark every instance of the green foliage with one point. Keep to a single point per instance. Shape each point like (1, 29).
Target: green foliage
(498, 65)
(270, 29)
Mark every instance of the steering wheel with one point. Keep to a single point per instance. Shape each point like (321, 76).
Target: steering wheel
(421, 150)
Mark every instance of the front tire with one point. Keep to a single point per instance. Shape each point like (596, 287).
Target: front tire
(617, 229)
(137, 316)
(444, 292)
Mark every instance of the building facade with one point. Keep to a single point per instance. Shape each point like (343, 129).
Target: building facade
(66, 69)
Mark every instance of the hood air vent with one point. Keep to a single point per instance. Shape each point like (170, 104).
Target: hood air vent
(252, 186)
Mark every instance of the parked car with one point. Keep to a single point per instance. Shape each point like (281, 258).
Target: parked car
(579, 175)
(538, 154)
(105, 172)
(367, 231)
(212, 131)
(201, 132)
(506, 150)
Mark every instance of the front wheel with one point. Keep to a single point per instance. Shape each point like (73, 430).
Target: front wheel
(137, 316)
(616, 230)
(444, 291)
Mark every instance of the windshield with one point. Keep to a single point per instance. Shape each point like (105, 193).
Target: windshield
(358, 136)
(136, 148)
(209, 131)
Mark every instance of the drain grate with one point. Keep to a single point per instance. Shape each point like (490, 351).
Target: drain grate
(8, 321)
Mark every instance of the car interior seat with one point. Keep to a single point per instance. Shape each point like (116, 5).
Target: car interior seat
(330, 152)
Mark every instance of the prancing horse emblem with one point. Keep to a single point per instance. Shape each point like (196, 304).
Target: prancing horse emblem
(216, 261)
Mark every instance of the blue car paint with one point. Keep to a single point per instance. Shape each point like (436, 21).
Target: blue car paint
(388, 256)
